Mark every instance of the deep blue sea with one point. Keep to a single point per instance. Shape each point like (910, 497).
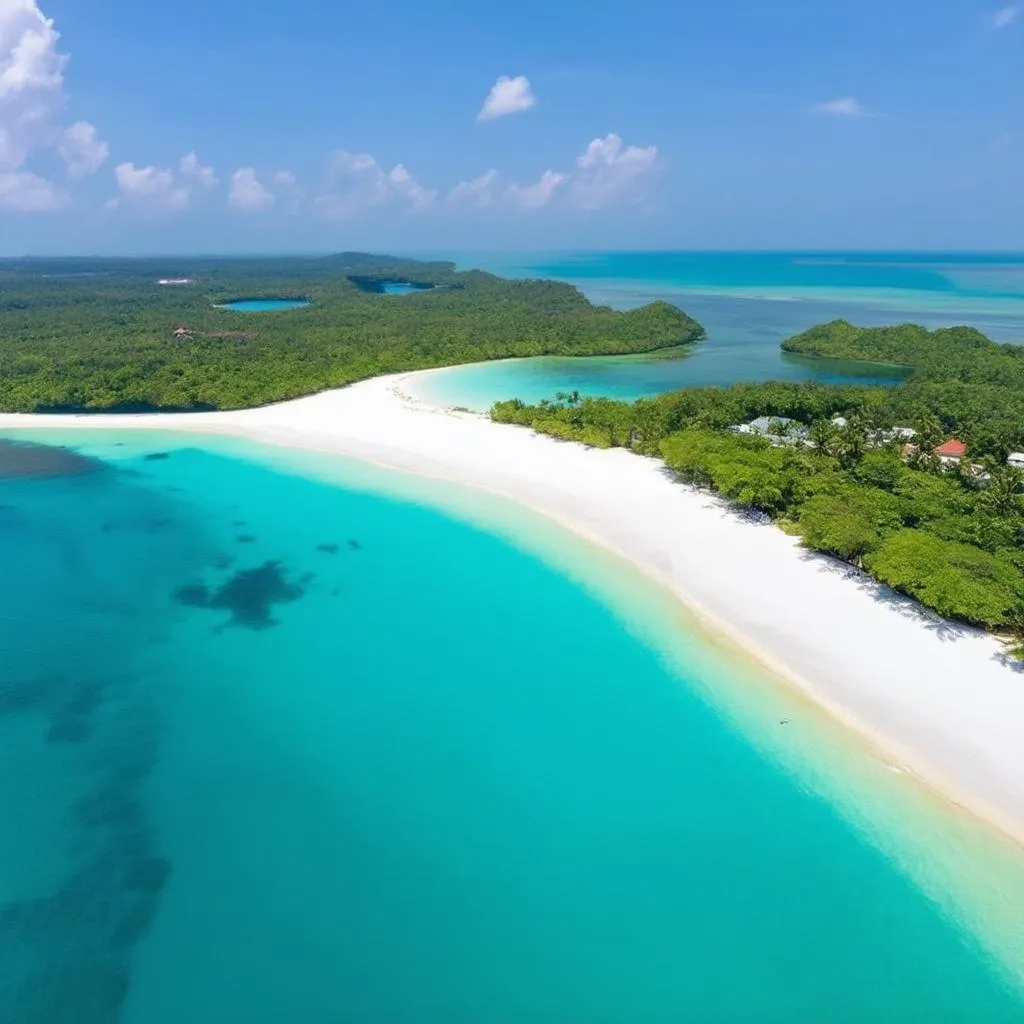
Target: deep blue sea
(749, 303)
(286, 738)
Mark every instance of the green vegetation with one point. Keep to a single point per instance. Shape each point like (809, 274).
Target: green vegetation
(99, 334)
(951, 537)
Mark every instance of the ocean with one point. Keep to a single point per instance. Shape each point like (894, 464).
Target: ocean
(286, 737)
(749, 303)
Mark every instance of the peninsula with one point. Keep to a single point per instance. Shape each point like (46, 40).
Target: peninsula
(920, 485)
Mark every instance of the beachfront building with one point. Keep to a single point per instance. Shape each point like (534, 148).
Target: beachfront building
(777, 429)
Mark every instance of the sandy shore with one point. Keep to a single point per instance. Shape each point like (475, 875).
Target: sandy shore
(938, 697)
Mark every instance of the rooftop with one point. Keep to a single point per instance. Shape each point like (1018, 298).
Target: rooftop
(951, 449)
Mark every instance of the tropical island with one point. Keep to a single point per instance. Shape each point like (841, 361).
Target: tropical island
(848, 471)
(154, 334)
(920, 485)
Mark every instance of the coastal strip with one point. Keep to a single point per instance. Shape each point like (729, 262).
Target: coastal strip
(938, 698)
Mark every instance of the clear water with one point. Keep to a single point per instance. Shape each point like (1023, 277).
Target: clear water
(415, 769)
(264, 305)
(749, 303)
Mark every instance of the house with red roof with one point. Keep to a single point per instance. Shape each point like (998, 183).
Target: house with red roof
(951, 451)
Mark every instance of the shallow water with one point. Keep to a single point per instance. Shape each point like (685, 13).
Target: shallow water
(749, 303)
(288, 739)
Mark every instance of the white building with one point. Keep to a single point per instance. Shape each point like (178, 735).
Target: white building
(1015, 459)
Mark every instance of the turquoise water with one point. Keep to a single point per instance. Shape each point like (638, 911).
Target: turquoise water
(749, 303)
(402, 288)
(265, 305)
(284, 738)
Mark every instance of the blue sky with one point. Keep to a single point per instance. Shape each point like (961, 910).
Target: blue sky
(224, 126)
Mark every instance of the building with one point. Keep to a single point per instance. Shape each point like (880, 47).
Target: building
(777, 429)
(1015, 459)
(950, 452)
(182, 332)
(176, 281)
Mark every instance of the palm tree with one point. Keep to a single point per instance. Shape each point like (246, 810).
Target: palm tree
(822, 434)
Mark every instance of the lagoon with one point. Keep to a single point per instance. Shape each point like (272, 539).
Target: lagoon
(264, 305)
(403, 288)
(312, 754)
(749, 303)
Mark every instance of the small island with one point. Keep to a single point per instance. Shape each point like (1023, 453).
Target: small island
(118, 339)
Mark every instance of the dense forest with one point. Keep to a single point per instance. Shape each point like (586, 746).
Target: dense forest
(100, 334)
(951, 536)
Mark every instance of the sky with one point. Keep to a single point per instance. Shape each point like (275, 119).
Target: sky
(315, 125)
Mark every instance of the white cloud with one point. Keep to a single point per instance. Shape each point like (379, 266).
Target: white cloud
(608, 170)
(286, 179)
(409, 189)
(25, 192)
(356, 182)
(194, 172)
(152, 189)
(477, 192)
(246, 192)
(31, 104)
(532, 197)
(82, 150)
(1004, 17)
(845, 106)
(507, 96)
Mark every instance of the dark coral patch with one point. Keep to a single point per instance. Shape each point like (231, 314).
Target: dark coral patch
(21, 459)
(194, 596)
(355, 545)
(328, 549)
(249, 595)
(245, 538)
(157, 456)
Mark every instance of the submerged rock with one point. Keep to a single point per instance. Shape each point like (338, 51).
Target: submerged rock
(249, 595)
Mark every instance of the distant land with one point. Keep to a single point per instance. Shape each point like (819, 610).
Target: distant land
(153, 334)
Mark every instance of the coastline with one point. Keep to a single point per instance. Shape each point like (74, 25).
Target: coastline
(935, 697)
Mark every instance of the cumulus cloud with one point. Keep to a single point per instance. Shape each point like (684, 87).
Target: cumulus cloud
(31, 104)
(83, 151)
(195, 173)
(247, 194)
(507, 96)
(845, 106)
(609, 170)
(477, 192)
(1004, 17)
(532, 197)
(25, 192)
(151, 189)
(161, 190)
(356, 182)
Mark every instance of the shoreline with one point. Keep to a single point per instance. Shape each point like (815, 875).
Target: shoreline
(935, 698)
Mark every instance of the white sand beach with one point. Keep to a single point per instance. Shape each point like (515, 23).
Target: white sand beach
(938, 698)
